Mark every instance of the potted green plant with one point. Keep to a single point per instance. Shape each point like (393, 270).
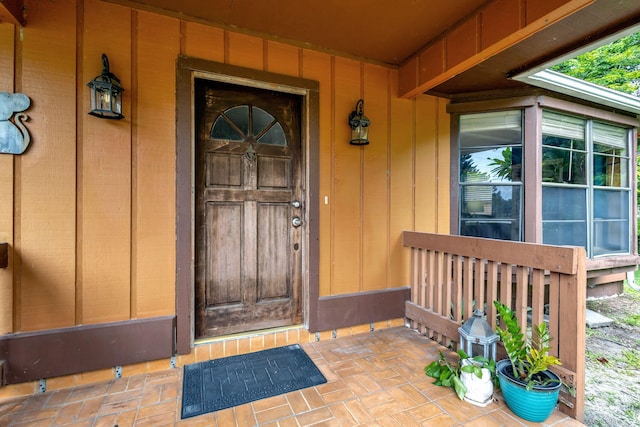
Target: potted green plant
(529, 388)
(471, 378)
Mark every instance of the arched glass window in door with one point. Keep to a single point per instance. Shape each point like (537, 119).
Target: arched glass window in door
(248, 123)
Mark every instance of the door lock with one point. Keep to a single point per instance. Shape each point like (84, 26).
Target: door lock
(296, 222)
(296, 204)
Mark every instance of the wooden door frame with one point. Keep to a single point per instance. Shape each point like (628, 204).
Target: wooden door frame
(187, 70)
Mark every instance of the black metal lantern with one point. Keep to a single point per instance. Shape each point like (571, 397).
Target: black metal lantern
(106, 94)
(359, 125)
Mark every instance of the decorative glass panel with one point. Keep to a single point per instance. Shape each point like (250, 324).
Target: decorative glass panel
(274, 136)
(240, 117)
(261, 120)
(248, 123)
(223, 130)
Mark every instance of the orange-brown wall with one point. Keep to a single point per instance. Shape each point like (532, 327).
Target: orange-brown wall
(89, 209)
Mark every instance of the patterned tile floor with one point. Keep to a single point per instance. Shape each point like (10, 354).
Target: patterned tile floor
(374, 379)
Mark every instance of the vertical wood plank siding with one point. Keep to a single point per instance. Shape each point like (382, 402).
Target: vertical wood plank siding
(451, 275)
(89, 210)
(7, 59)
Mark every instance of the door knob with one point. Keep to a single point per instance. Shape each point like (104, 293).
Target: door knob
(297, 222)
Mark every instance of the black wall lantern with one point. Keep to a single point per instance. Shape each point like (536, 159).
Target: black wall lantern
(359, 125)
(106, 94)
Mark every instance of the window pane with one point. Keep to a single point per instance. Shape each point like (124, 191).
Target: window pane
(611, 204)
(261, 119)
(490, 152)
(564, 233)
(491, 164)
(610, 237)
(503, 230)
(614, 136)
(274, 136)
(563, 126)
(564, 204)
(223, 130)
(496, 128)
(490, 211)
(563, 166)
(610, 171)
(611, 222)
(610, 159)
(564, 156)
(240, 117)
(564, 219)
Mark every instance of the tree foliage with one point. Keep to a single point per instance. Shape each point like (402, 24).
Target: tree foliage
(615, 65)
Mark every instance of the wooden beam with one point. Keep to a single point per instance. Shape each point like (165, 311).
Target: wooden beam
(470, 43)
(12, 11)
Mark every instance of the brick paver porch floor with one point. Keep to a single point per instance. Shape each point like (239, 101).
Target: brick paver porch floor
(374, 379)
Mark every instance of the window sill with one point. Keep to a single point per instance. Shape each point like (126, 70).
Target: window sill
(612, 264)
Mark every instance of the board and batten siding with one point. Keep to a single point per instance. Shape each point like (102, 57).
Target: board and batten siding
(89, 209)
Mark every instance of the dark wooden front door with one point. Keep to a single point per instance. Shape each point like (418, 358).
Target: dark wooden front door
(249, 209)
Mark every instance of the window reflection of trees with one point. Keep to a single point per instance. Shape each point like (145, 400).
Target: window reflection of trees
(563, 160)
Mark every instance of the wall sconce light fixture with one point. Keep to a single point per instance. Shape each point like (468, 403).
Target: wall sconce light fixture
(359, 125)
(106, 94)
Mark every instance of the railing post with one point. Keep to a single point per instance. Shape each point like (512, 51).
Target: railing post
(572, 334)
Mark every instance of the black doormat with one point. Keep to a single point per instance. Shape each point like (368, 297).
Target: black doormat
(223, 383)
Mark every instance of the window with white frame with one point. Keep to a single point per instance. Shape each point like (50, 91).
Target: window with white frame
(490, 178)
(584, 181)
(586, 188)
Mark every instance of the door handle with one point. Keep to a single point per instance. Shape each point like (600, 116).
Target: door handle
(296, 222)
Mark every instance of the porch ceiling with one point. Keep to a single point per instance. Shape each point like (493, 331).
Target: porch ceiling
(391, 32)
(385, 32)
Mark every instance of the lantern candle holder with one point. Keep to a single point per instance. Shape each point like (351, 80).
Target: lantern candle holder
(359, 124)
(477, 332)
(106, 94)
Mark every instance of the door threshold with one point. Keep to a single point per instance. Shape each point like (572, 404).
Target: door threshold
(240, 335)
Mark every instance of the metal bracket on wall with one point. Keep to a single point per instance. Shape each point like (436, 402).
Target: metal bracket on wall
(4, 255)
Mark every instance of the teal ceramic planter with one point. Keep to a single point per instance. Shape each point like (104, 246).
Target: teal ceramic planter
(534, 405)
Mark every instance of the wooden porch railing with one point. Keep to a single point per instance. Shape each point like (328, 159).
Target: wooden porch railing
(452, 275)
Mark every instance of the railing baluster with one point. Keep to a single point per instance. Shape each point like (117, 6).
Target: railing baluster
(467, 288)
(492, 291)
(537, 297)
(478, 280)
(522, 289)
(457, 289)
(554, 310)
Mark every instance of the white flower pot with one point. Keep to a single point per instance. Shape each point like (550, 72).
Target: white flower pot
(479, 390)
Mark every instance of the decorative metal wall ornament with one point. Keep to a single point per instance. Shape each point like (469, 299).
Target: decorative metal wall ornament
(105, 94)
(14, 137)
